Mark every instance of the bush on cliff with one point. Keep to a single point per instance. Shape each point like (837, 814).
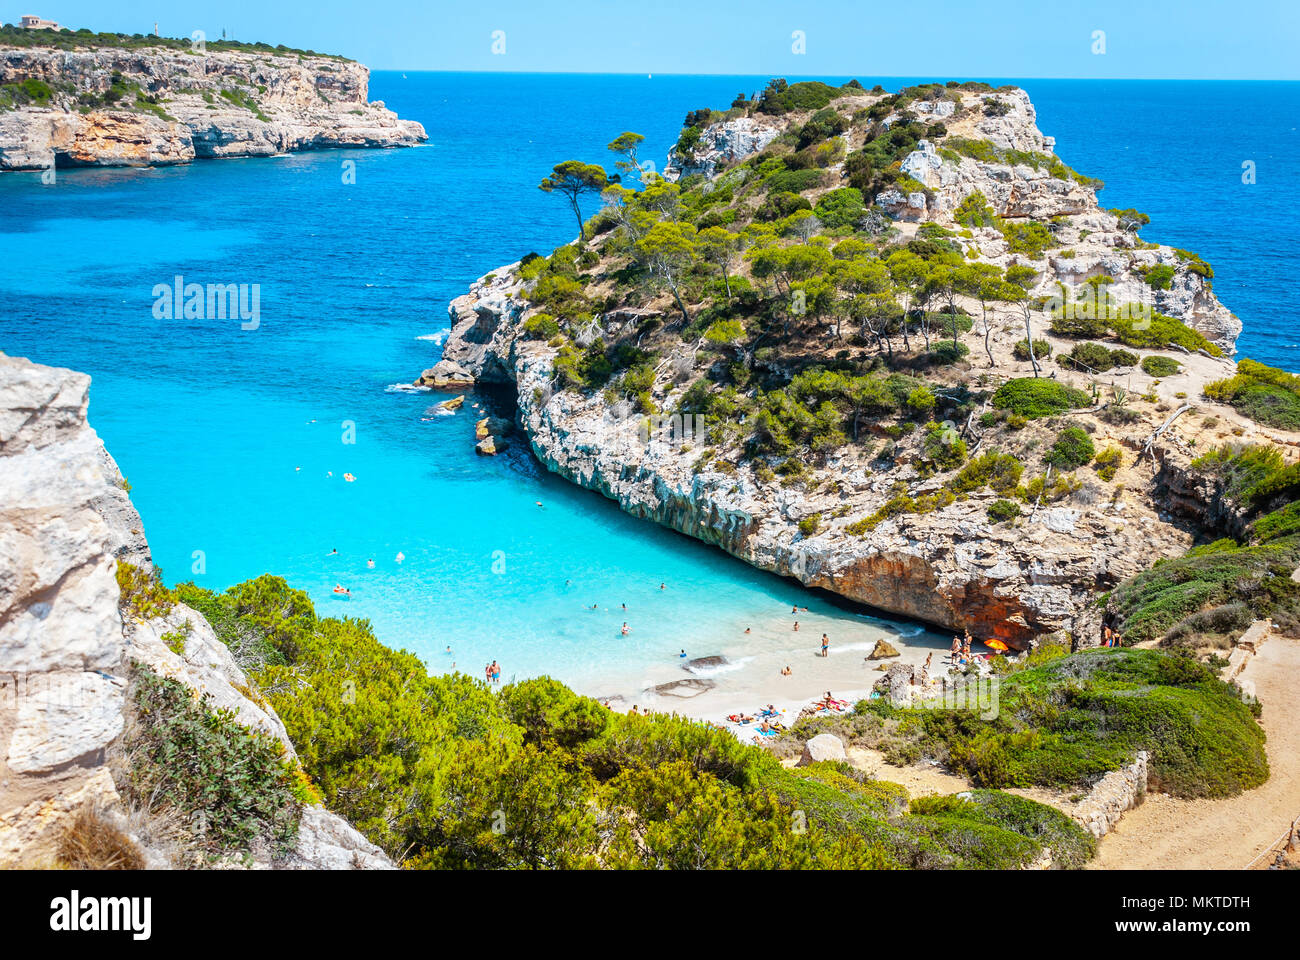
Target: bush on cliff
(230, 786)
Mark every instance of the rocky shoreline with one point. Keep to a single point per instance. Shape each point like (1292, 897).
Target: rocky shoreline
(952, 567)
(113, 107)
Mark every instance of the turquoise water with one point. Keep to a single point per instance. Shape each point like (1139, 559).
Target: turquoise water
(229, 437)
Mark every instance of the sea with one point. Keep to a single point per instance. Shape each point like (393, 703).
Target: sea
(237, 437)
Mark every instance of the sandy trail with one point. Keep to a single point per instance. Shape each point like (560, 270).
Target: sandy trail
(1166, 833)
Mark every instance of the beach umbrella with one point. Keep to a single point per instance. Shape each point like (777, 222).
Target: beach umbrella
(995, 645)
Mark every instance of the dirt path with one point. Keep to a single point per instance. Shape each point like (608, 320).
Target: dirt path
(1166, 833)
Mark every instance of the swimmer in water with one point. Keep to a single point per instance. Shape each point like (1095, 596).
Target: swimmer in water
(370, 563)
(334, 552)
(682, 654)
(747, 629)
(662, 586)
(626, 628)
(796, 626)
(400, 556)
(594, 606)
(539, 503)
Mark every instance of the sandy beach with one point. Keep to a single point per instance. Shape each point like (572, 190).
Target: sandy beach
(743, 674)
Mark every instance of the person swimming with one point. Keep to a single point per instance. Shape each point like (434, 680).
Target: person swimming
(370, 563)
(682, 654)
(626, 628)
(400, 556)
(747, 629)
(787, 671)
(334, 552)
(663, 586)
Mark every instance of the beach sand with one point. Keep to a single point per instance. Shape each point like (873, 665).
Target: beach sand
(742, 674)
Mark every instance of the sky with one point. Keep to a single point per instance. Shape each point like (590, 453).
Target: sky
(961, 39)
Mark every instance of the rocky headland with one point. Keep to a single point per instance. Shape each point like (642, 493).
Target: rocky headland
(929, 547)
(112, 106)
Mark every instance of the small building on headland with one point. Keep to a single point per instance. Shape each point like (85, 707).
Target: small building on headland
(29, 22)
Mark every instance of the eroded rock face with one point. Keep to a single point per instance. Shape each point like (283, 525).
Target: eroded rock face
(724, 142)
(216, 105)
(65, 522)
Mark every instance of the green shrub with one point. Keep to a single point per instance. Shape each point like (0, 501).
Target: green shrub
(1108, 462)
(1042, 349)
(541, 326)
(140, 594)
(231, 785)
(1035, 397)
(1073, 449)
(1282, 522)
(1158, 366)
(795, 181)
(1000, 511)
(1001, 471)
(1159, 277)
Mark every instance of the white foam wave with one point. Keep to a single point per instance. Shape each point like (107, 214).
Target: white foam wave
(405, 388)
(436, 338)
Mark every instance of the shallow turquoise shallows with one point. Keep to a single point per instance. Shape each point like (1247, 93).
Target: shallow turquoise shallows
(234, 440)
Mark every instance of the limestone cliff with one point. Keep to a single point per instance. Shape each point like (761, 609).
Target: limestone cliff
(952, 567)
(113, 106)
(65, 522)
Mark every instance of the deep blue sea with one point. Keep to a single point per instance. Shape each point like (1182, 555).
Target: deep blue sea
(233, 440)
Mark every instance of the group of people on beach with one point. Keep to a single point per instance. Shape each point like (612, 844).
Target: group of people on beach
(1111, 638)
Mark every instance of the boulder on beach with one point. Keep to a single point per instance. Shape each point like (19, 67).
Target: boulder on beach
(883, 650)
(824, 746)
(705, 663)
(684, 689)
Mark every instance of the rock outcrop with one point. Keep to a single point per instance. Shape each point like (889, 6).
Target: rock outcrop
(65, 523)
(722, 143)
(114, 106)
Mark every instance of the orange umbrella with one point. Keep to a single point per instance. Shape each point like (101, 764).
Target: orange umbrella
(995, 645)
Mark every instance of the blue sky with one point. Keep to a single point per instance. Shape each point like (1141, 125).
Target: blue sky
(1174, 39)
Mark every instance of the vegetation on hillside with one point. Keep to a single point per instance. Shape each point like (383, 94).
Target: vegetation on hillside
(1064, 720)
(1209, 596)
(82, 39)
(1262, 393)
(441, 772)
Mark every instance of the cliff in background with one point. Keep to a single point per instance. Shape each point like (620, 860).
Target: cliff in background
(954, 566)
(112, 106)
(66, 522)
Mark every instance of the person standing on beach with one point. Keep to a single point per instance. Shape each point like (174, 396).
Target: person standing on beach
(825, 645)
